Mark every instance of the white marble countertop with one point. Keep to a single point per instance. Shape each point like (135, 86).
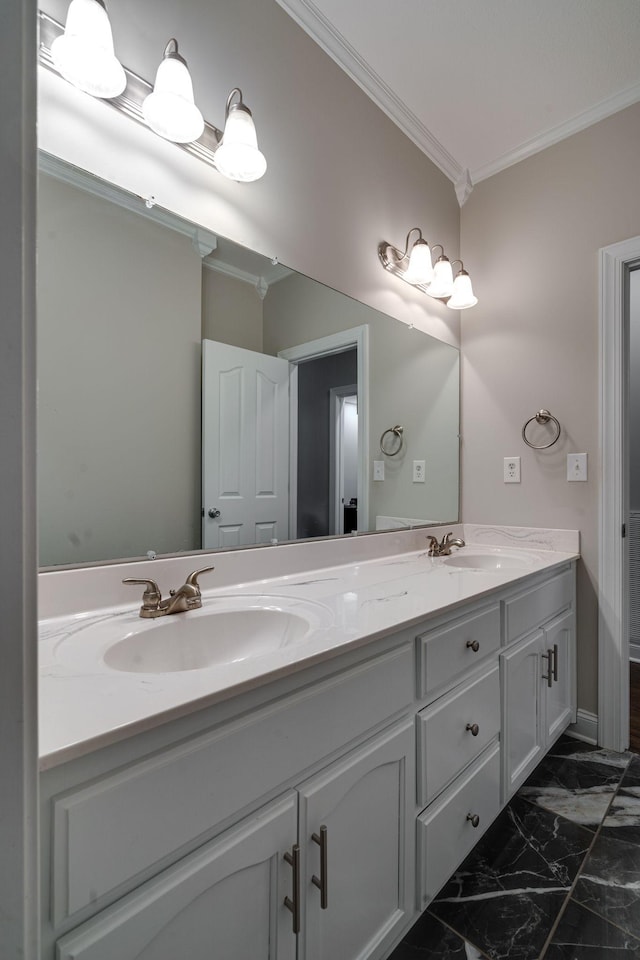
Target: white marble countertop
(84, 704)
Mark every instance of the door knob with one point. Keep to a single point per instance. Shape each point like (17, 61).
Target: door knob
(214, 513)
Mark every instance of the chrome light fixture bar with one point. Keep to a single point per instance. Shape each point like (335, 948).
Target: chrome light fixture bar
(130, 102)
(414, 266)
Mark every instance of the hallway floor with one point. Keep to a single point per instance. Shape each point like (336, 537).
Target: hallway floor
(557, 876)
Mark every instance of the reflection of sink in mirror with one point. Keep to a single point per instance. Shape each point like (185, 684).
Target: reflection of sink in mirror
(224, 630)
(488, 559)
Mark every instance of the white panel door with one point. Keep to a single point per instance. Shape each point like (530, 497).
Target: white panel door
(558, 637)
(521, 668)
(245, 446)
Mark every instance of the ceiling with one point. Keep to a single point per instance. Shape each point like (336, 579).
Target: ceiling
(480, 84)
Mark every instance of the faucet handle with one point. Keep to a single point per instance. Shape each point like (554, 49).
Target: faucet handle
(446, 538)
(192, 579)
(433, 545)
(151, 596)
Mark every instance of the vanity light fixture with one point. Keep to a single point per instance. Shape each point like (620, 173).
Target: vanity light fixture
(169, 109)
(238, 157)
(84, 54)
(463, 296)
(414, 266)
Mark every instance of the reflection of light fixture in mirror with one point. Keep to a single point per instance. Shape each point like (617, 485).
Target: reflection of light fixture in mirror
(84, 53)
(170, 110)
(463, 296)
(238, 157)
(413, 265)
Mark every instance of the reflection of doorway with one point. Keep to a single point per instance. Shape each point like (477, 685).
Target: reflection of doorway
(343, 458)
(312, 502)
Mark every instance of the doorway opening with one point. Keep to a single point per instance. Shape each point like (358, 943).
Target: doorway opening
(617, 263)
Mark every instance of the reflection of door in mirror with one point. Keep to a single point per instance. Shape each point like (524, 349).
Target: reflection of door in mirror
(245, 447)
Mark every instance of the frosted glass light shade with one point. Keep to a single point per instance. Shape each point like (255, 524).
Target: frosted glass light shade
(170, 110)
(420, 269)
(84, 55)
(238, 157)
(442, 283)
(462, 297)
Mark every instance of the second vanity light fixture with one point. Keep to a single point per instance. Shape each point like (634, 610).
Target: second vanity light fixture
(414, 265)
(84, 55)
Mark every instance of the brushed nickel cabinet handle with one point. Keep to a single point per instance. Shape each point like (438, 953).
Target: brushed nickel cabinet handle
(548, 676)
(473, 819)
(473, 729)
(555, 662)
(321, 883)
(473, 645)
(293, 904)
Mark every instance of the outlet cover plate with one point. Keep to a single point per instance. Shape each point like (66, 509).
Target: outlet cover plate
(512, 469)
(419, 471)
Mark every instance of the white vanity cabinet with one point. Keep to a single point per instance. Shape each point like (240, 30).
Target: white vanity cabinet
(314, 816)
(228, 898)
(538, 675)
(130, 879)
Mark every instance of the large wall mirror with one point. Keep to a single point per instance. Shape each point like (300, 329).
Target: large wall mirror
(128, 297)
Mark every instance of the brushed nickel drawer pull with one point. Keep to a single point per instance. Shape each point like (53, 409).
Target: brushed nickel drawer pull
(548, 676)
(473, 729)
(473, 819)
(321, 883)
(555, 662)
(293, 859)
(473, 645)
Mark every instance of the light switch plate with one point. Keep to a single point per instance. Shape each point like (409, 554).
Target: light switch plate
(576, 466)
(378, 469)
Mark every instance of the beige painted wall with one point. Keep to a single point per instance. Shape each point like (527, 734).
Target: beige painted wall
(341, 177)
(533, 233)
(231, 310)
(413, 382)
(118, 369)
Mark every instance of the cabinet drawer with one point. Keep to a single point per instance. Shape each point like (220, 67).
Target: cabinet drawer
(447, 653)
(115, 828)
(531, 609)
(445, 832)
(445, 745)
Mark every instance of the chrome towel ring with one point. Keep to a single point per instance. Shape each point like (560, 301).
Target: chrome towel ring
(542, 416)
(392, 446)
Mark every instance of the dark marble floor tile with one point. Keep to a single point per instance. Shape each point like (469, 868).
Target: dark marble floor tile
(610, 883)
(582, 935)
(429, 939)
(623, 818)
(508, 892)
(576, 781)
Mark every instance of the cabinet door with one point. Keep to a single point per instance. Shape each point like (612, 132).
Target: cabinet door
(224, 901)
(523, 737)
(366, 802)
(558, 706)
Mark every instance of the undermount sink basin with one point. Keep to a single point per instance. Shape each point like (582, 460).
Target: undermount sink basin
(224, 630)
(492, 560)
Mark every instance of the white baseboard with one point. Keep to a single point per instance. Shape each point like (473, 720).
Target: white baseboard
(634, 651)
(585, 728)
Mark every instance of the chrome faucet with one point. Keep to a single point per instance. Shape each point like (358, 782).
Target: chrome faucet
(186, 597)
(443, 549)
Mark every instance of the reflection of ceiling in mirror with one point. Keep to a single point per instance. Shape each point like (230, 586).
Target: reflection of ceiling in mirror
(134, 373)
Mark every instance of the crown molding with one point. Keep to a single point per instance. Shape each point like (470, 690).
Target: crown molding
(258, 281)
(314, 23)
(606, 108)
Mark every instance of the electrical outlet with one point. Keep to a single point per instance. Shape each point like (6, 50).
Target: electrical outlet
(419, 471)
(576, 466)
(378, 469)
(512, 469)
